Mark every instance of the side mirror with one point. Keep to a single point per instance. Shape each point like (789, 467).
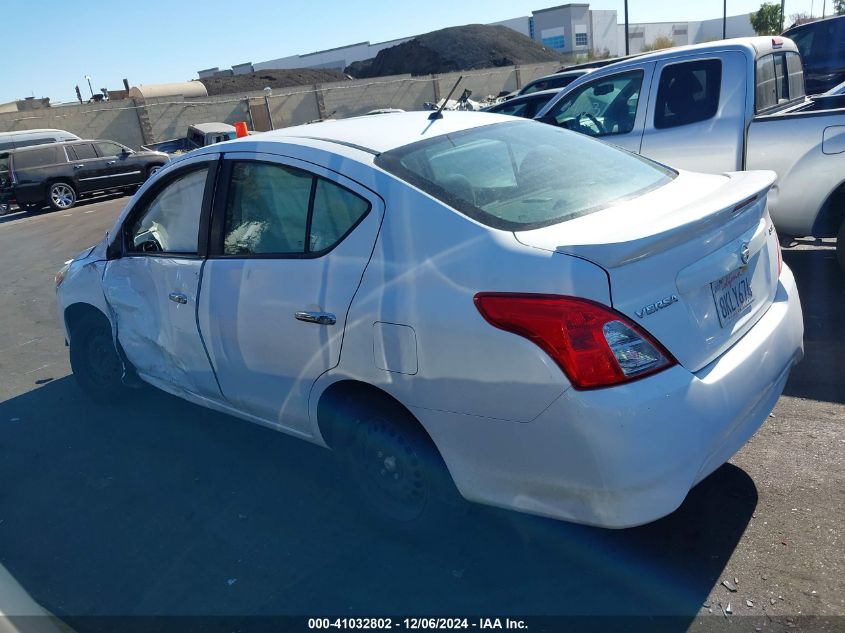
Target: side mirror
(548, 119)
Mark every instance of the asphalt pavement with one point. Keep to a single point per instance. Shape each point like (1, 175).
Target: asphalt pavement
(159, 507)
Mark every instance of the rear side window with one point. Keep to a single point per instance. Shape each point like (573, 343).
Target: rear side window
(780, 79)
(688, 93)
(278, 210)
(523, 175)
(514, 109)
(83, 151)
(40, 157)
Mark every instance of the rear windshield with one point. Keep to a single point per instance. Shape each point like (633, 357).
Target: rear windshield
(523, 175)
(780, 79)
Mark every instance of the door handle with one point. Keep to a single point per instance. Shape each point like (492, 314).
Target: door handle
(78, 166)
(320, 318)
(178, 297)
(111, 162)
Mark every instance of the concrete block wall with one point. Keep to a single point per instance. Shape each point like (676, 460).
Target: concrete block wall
(353, 99)
(115, 120)
(169, 117)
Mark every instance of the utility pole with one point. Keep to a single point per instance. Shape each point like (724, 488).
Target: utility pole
(627, 52)
(782, 2)
(88, 77)
(724, 19)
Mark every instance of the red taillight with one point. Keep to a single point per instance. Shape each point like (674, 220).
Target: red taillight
(594, 345)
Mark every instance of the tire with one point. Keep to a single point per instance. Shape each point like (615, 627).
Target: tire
(152, 169)
(840, 247)
(61, 196)
(397, 471)
(4, 208)
(96, 365)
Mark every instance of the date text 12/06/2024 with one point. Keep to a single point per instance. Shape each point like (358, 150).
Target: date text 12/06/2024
(385, 624)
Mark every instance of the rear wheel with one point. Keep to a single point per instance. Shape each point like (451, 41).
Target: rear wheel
(398, 471)
(152, 170)
(96, 365)
(61, 195)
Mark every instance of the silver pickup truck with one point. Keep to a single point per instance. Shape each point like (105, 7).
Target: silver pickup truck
(724, 106)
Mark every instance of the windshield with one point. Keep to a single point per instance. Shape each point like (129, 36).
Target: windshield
(523, 175)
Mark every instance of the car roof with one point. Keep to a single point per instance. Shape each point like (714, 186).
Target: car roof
(76, 141)
(205, 128)
(374, 134)
(808, 25)
(36, 131)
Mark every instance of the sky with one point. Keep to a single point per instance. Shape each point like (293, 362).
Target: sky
(51, 45)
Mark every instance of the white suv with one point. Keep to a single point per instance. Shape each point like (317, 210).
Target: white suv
(554, 325)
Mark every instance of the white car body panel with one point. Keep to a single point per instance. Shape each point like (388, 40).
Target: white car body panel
(512, 429)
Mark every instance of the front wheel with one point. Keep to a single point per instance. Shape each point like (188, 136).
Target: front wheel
(61, 196)
(152, 170)
(95, 362)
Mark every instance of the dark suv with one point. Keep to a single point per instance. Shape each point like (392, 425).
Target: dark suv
(60, 173)
(822, 46)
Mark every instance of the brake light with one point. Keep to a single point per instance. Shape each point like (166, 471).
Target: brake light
(594, 345)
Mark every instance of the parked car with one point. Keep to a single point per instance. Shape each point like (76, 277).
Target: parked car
(198, 135)
(554, 325)
(16, 140)
(724, 106)
(59, 173)
(525, 106)
(822, 46)
(558, 80)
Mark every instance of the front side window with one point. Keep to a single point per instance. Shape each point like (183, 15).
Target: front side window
(688, 93)
(170, 222)
(277, 210)
(603, 107)
(523, 175)
(110, 149)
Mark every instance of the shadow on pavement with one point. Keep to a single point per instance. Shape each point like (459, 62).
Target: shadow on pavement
(161, 507)
(821, 284)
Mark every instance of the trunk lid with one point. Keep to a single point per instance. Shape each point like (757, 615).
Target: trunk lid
(694, 263)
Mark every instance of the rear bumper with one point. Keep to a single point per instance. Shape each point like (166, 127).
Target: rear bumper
(627, 455)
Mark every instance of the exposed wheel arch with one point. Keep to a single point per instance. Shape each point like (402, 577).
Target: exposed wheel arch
(77, 313)
(832, 214)
(332, 409)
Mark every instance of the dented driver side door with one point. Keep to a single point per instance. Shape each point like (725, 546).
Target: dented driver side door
(154, 287)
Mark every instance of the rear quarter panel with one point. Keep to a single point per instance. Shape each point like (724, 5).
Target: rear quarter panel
(428, 264)
(807, 151)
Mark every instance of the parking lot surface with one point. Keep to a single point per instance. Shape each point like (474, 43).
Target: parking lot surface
(159, 507)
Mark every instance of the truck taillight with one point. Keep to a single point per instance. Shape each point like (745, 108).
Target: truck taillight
(594, 345)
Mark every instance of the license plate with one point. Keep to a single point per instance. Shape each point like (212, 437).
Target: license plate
(732, 294)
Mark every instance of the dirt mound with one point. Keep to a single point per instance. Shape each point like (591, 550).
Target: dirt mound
(273, 78)
(455, 48)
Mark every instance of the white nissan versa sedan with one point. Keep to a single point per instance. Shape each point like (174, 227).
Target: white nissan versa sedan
(532, 317)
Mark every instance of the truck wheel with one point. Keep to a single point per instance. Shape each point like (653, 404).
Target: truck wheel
(398, 472)
(95, 362)
(61, 195)
(152, 170)
(840, 247)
